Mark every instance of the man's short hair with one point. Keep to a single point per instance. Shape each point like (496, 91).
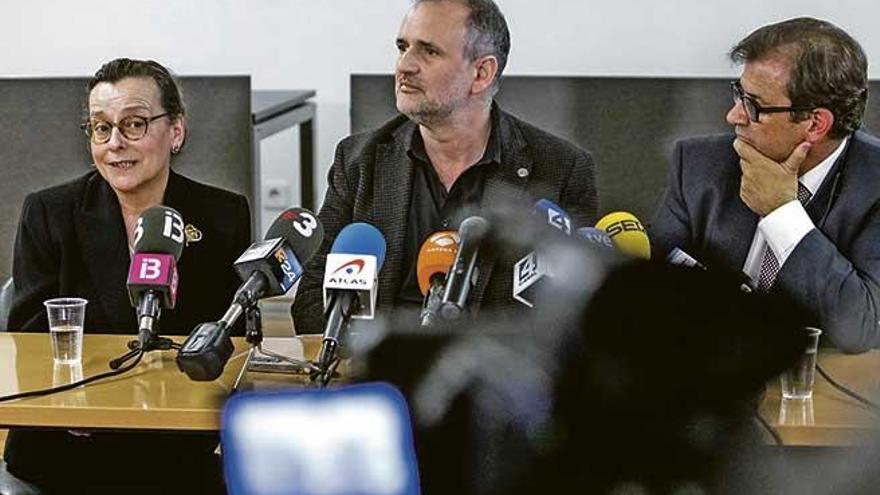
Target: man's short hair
(829, 68)
(487, 32)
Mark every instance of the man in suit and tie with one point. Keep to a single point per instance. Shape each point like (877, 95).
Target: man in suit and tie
(452, 153)
(793, 197)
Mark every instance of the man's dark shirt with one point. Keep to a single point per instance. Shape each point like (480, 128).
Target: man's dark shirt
(433, 208)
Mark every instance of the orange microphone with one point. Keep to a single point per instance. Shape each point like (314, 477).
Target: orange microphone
(436, 256)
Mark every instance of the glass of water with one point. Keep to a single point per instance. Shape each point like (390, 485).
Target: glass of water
(797, 382)
(66, 317)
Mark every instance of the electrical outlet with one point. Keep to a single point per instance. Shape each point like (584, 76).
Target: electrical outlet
(276, 194)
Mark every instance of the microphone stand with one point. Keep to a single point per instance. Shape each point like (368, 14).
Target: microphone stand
(254, 336)
(153, 343)
(148, 339)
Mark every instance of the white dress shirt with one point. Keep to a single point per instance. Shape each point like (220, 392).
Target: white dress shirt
(783, 228)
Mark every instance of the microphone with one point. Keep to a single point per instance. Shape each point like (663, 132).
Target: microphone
(268, 268)
(595, 237)
(549, 213)
(350, 285)
(436, 256)
(534, 267)
(627, 233)
(471, 233)
(679, 257)
(152, 275)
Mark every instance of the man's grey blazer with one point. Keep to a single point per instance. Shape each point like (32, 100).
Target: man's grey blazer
(370, 181)
(833, 272)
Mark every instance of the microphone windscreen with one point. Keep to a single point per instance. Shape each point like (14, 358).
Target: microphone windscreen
(159, 229)
(473, 229)
(595, 237)
(552, 214)
(436, 256)
(627, 233)
(301, 229)
(361, 238)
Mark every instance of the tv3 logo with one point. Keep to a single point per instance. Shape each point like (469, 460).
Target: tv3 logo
(559, 220)
(305, 223)
(619, 227)
(172, 228)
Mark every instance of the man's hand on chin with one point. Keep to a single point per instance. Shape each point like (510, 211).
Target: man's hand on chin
(767, 184)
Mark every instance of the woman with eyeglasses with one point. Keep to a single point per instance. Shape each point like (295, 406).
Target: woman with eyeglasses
(75, 239)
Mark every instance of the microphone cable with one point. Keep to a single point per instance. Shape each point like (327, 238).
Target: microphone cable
(69, 386)
(846, 391)
(777, 438)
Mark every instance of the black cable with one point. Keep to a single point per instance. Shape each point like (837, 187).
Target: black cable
(69, 386)
(772, 431)
(871, 405)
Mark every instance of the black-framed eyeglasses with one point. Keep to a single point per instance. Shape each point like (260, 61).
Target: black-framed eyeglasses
(133, 127)
(753, 108)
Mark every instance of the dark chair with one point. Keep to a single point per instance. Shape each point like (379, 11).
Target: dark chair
(10, 485)
(7, 292)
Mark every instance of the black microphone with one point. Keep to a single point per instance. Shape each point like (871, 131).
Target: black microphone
(269, 268)
(678, 256)
(350, 286)
(458, 281)
(152, 275)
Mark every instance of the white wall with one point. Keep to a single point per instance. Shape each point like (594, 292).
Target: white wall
(318, 43)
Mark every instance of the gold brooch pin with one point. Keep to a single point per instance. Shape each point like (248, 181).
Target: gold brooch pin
(192, 234)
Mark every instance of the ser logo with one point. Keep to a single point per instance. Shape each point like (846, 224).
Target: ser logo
(619, 227)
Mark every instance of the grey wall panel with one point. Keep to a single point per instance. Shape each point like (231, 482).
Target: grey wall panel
(629, 124)
(41, 144)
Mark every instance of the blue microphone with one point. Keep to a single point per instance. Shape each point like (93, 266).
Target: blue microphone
(350, 284)
(551, 214)
(532, 268)
(595, 237)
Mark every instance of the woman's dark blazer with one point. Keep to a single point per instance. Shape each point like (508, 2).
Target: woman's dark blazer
(71, 242)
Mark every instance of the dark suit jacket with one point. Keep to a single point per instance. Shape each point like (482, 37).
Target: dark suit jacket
(833, 272)
(371, 181)
(71, 242)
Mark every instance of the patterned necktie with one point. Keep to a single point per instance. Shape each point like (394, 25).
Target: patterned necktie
(770, 265)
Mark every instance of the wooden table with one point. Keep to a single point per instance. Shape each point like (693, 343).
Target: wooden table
(154, 395)
(830, 418)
